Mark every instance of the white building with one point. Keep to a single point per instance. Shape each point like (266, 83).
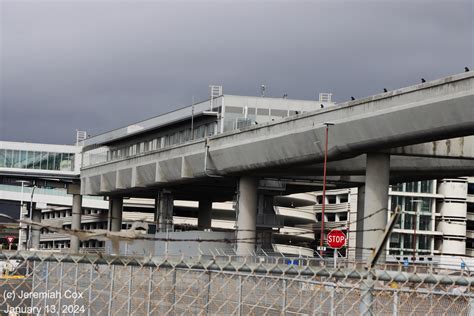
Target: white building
(438, 214)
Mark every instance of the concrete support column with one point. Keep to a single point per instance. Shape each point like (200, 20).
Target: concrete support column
(76, 221)
(247, 216)
(205, 214)
(360, 223)
(164, 212)
(115, 213)
(35, 230)
(376, 198)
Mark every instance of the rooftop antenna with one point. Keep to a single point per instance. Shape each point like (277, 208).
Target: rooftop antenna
(216, 91)
(262, 90)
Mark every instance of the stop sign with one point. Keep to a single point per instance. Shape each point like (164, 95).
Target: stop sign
(336, 239)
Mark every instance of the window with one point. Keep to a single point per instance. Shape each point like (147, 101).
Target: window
(426, 205)
(425, 222)
(408, 221)
(424, 242)
(397, 187)
(412, 186)
(426, 186)
(408, 242)
(395, 240)
(2, 158)
(16, 159)
(331, 199)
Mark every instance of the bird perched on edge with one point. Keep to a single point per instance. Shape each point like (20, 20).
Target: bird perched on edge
(423, 80)
(385, 90)
(466, 69)
(322, 106)
(352, 98)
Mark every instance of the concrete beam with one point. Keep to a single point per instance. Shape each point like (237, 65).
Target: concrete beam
(460, 147)
(372, 124)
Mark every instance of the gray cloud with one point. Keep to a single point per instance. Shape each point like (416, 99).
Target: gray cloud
(99, 65)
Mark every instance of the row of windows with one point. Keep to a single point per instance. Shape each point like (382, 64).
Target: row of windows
(90, 226)
(425, 186)
(411, 204)
(68, 213)
(333, 199)
(176, 138)
(403, 243)
(55, 245)
(66, 244)
(24, 159)
(332, 217)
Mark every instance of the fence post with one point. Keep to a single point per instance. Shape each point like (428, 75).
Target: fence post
(367, 300)
(47, 282)
(76, 276)
(471, 305)
(173, 302)
(90, 289)
(129, 306)
(283, 306)
(240, 297)
(111, 289)
(332, 312)
(395, 303)
(61, 282)
(149, 291)
(33, 273)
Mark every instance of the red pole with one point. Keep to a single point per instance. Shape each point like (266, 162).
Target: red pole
(321, 242)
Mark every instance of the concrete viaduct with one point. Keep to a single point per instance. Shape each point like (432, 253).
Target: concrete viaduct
(418, 132)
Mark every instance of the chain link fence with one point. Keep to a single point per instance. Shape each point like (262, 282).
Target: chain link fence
(45, 283)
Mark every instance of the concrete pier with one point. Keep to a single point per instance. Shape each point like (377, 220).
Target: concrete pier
(375, 201)
(35, 230)
(205, 214)
(115, 213)
(247, 216)
(164, 211)
(360, 224)
(76, 221)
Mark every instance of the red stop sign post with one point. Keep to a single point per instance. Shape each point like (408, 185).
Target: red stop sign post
(10, 240)
(336, 240)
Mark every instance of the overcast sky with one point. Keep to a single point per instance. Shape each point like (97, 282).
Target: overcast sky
(100, 65)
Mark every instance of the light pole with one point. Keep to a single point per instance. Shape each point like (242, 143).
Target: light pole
(21, 230)
(31, 217)
(414, 226)
(321, 241)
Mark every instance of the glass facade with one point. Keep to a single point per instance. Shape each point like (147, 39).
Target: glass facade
(425, 186)
(417, 213)
(178, 137)
(40, 160)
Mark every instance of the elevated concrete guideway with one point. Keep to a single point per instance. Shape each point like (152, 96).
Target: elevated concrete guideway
(418, 114)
